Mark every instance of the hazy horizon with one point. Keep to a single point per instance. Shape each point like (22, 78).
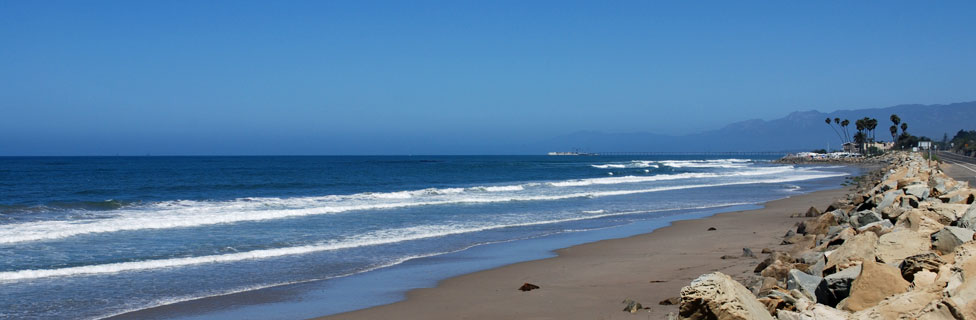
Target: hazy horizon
(330, 78)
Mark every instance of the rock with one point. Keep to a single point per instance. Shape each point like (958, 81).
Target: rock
(961, 287)
(922, 221)
(908, 305)
(528, 287)
(968, 219)
(632, 306)
(879, 228)
(812, 212)
(813, 287)
(859, 248)
(889, 198)
(773, 304)
(839, 283)
(909, 202)
(820, 225)
(840, 216)
(875, 282)
(712, 229)
(778, 270)
(746, 252)
(950, 212)
(920, 262)
(837, 205)
(865, 217)
(921, 191)
(949, 238)
(767, 285)
(895, 246)
(789, 233)
(728, 256)
(717, 296)
(772, 258)
(923, 279)
(670, 301)
(814, 312)
(961, 196)
(767, 250)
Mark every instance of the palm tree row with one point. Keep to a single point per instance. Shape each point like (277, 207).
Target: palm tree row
(845, 138)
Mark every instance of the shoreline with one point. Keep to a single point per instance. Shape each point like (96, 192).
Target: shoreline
(277, 297)
(590, 280)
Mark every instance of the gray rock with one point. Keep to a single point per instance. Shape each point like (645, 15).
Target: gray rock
(839, 283)
(921, 191)
(817, 267)
(949, 238)
(883, 225)
(865, 217)
(841, 216)
(909, 202)
(889, 198)
(746, 252)
(968, 219)
(811, 286)
(812, 212)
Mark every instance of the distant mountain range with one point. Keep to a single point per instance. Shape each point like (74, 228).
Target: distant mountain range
(798, 131)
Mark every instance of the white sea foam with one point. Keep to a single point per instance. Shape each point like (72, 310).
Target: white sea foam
(719, 163)
(185, 213)
(624, 165)
(379, 237)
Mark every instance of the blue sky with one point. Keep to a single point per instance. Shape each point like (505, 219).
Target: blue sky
(375, 77)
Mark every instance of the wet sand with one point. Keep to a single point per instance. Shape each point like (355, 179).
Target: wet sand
(590, 281)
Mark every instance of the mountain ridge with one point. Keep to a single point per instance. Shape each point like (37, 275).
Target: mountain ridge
(797, 131)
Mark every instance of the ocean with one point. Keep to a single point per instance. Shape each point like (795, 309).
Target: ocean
(91, 237)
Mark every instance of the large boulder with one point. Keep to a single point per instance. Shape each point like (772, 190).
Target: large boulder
(921, 191)
(968, 219)
(815, 312)
(908, 305)
(865, 217)
(860, 248)
(960, 196)
(950, 212)
(839, 283)
(889, 198)
(717, 296)
(922, 221)
(875, 283)
(813, 287)
(898, 245)
(920, 262)
(879, 228)
(961, 288)
(820, 225)
(949, 238)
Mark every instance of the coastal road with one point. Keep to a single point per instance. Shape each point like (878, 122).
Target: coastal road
(961, 168)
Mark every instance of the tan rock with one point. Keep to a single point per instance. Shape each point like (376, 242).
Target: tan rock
(961, 287)
(820, 225)
(875, 283)
(717, 296)
(898, 245)
(860, 248)
(778, 270)
(919, 220)
(901, 306)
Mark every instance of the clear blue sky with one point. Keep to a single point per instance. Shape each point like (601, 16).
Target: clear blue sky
(366, 77)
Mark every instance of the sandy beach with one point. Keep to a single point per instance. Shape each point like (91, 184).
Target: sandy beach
(590, 281)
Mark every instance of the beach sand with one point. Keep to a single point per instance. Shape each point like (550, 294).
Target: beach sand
(590, 281)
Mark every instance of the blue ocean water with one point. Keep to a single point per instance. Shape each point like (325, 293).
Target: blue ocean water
(89, 237)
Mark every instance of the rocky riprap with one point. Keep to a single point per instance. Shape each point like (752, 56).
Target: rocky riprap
(899, 247)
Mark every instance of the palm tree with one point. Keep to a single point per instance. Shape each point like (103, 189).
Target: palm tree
(835, 130)
(844, 124)
(895, 119)
(894, 132)
(904, 127)
(871, 124)
(859, 136)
